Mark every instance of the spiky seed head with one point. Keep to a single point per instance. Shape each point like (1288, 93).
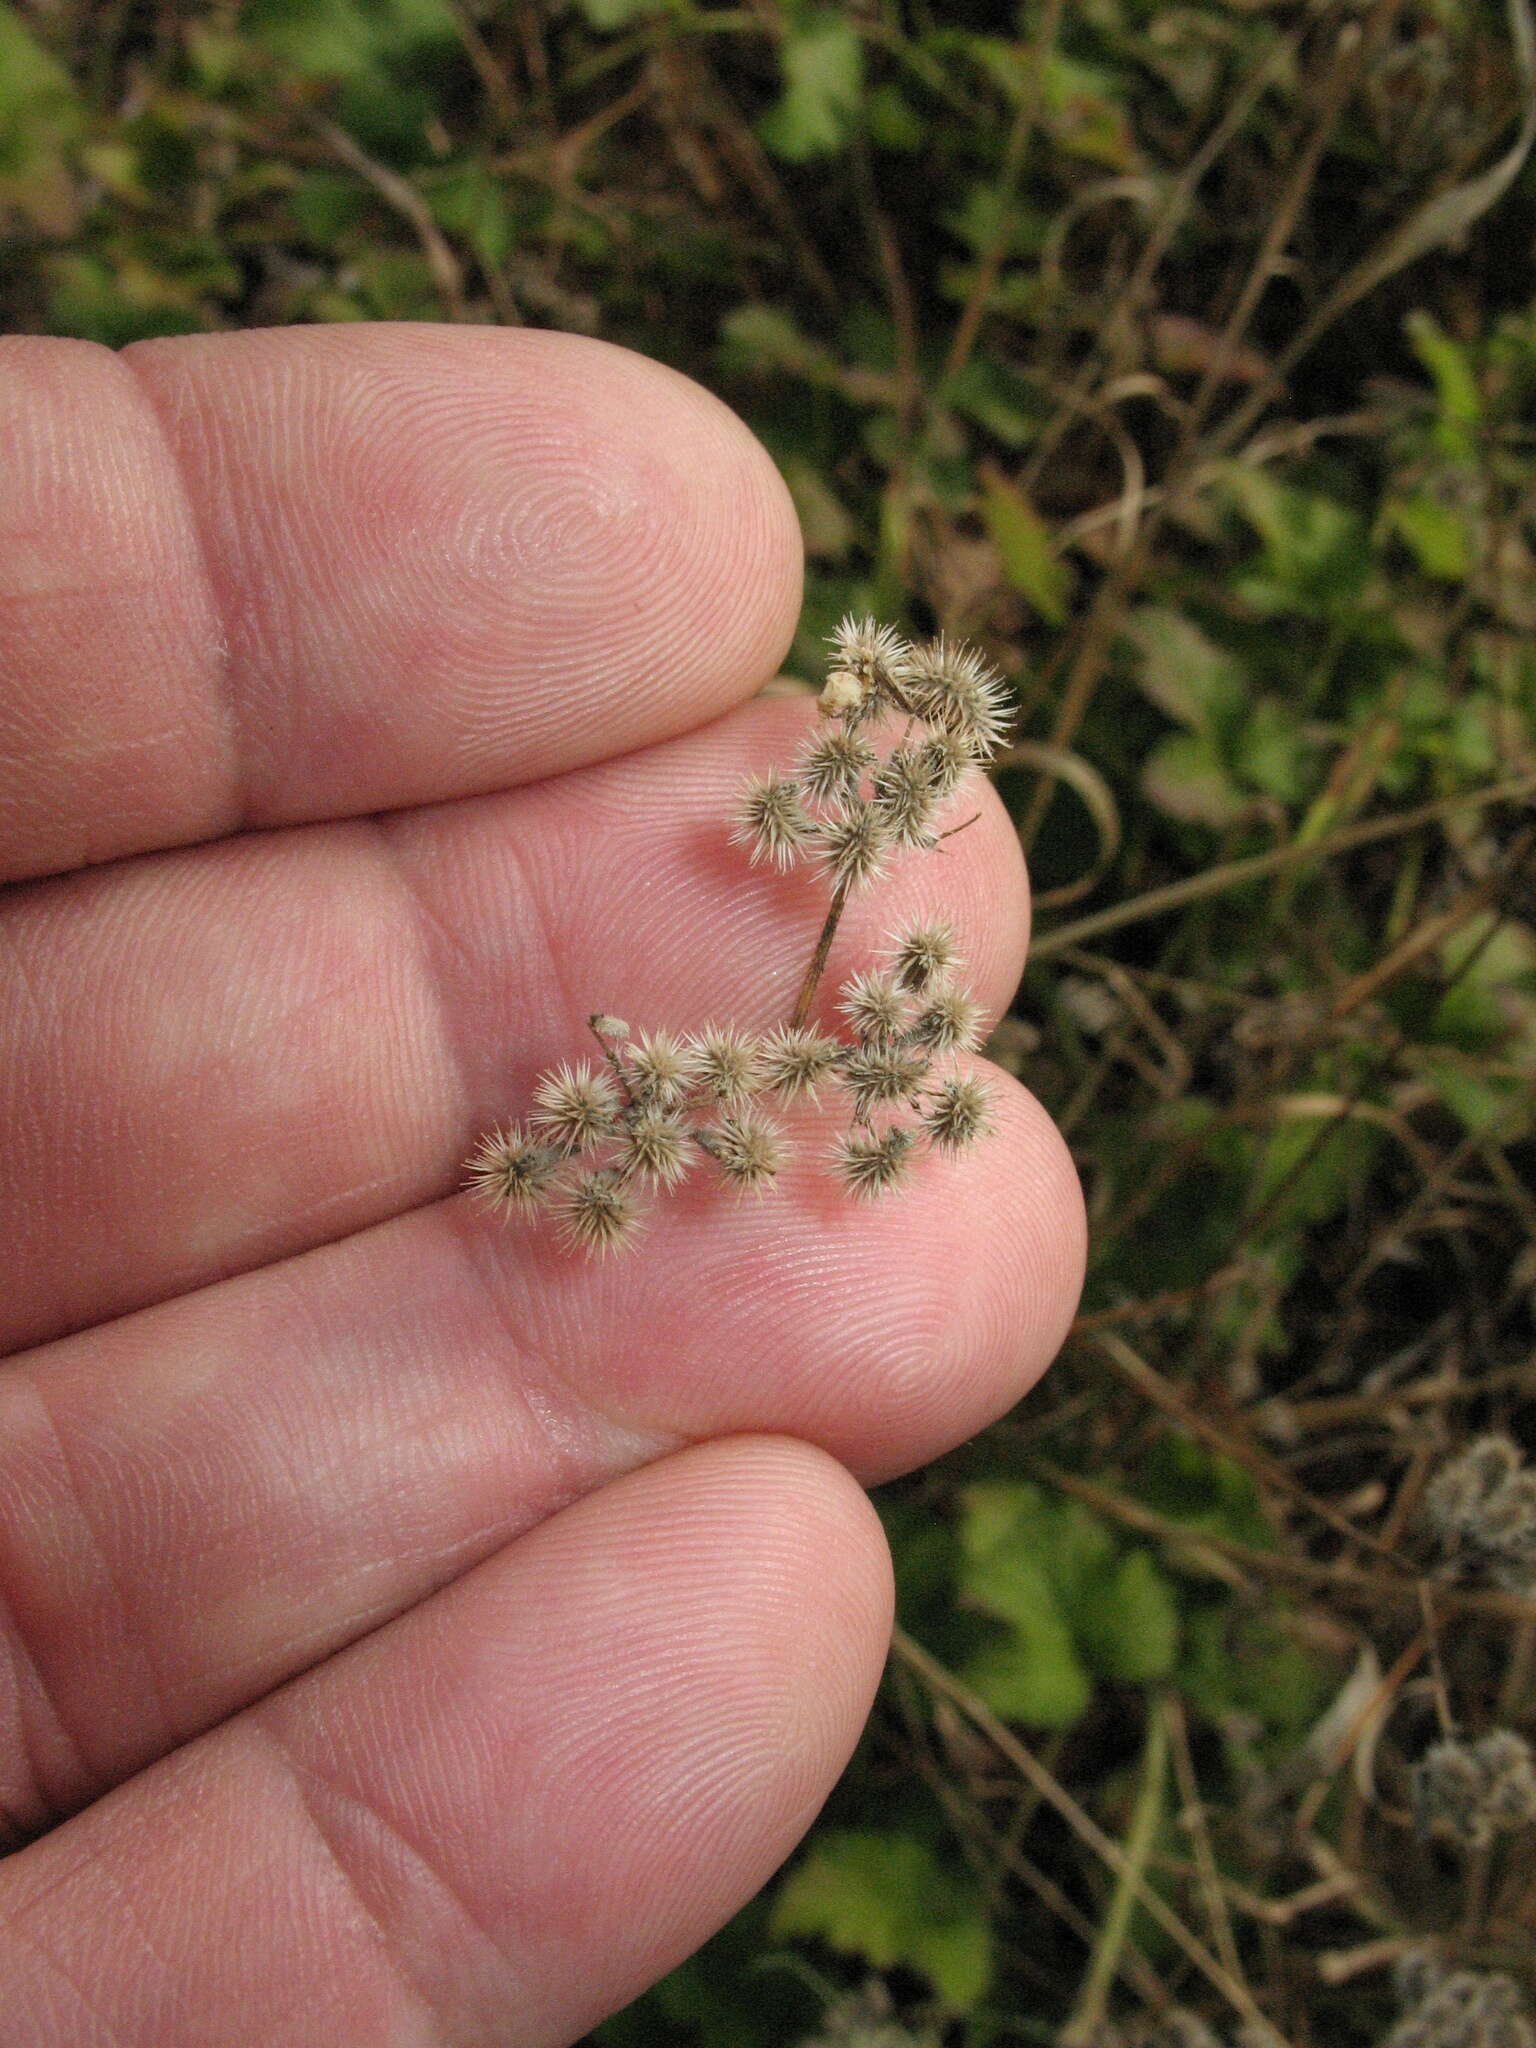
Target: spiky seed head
(949, 1021)
(661, 1069)
(747, 1149)
(1415, 1974)
(1482, 1506)
(854, 846)
(598, 1214)
(1457, 1498)
(924, 955)
(727, 1064)
(958, 1114)
(952, 686)
(875, 1005)
(1510, 1769)
(1473, 1790)
(574, 1106)
(833, 766)
(510, 1170)
(657, 1147)
(872, 656)
(874, 1074)
(1463, 2009)
(772, 821)
(872, 1162)
(947, 756)
(797, 1062)
(905, 797)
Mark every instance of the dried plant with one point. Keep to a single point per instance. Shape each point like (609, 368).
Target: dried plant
(901, 726)
(1457, 2008)
(1481, 1507)
(1475, 1790)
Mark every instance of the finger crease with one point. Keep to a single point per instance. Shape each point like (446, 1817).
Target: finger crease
(221, 673)
(325, 1804)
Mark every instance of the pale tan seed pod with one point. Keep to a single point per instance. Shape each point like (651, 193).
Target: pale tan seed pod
(1474, 1790)
(510, 1170)
(1482, 1507)
(876, 657)
(948, 758)
(574, 1106)
(842, 694)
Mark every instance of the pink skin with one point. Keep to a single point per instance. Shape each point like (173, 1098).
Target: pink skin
(623, 1608)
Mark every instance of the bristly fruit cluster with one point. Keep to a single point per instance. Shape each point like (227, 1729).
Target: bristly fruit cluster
(603, 1134)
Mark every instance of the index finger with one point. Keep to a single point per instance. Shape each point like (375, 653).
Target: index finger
(265, 578)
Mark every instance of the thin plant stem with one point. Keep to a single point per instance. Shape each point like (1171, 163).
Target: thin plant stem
(1230, 875)
(818, 965)
(1088, 2016)
(1055, 1795)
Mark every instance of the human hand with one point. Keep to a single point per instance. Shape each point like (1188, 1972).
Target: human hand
(412, 1634)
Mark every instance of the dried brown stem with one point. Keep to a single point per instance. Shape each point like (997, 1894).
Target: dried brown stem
(819, 958)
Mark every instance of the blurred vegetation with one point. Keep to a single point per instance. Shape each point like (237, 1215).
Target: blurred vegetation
(1185, 355)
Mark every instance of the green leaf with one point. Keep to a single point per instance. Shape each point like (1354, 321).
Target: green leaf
(1270, 751)
(1033, 1674)
(39, 118)
(385, 54)
(603, 14)
(886, 1898)
(1017, 1550)
(327, 206)
(1187, 779)
(1311, 1169)
(822, 60)
(33, 85)
(894, 123)
(827, 526)
(1024, 545)
(1448, 363)
(469, 202)
(1077, 1604)
(1316, 560)
(1477, 1101)
(1129, 1622)
(755, 338)
(1187, 676)
(1436, 534)
(116, 305)
(1491, 1000)
(1204, 1491)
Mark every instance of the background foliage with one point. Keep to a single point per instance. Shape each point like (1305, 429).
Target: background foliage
(1184, 354)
